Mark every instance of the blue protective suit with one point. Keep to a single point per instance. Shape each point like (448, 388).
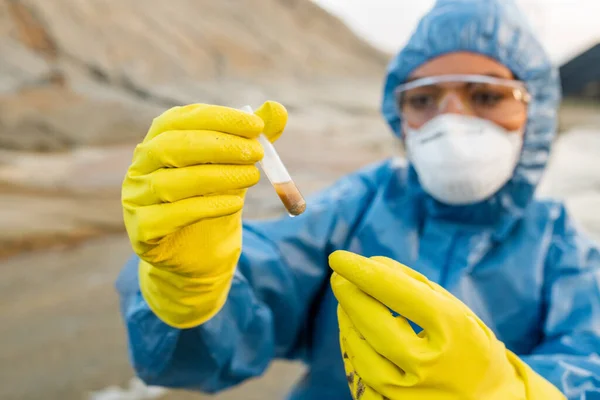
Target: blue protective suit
(518, 262)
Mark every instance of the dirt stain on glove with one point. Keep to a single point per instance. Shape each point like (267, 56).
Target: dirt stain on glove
(360, 388)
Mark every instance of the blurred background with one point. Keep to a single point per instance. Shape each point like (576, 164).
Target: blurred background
(81, 80)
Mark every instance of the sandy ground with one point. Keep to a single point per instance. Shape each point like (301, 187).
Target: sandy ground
(62, 334)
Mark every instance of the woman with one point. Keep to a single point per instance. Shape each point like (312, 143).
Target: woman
(474, 97)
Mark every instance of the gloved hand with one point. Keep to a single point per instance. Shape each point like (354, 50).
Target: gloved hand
(455, 356)
(182, 201)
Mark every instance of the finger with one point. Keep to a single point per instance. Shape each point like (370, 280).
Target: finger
(371, 371)
(379, 327)
(421, 278)
(169, 185)
(400, 292)
(407, 270)
(348, 367)
(359, 389)
(412, 273)
(151, 223)
(207, 117)
(194, 147)
(275, 118)
(355, 383)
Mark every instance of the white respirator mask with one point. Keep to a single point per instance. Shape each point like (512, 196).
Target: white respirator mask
(462, 159)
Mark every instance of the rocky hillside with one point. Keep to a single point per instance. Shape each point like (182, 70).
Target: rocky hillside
(91, 72)
(81, 80)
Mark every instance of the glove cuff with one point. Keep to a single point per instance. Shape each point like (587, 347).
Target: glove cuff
(182, 301)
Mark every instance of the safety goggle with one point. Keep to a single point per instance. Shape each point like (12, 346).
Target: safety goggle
(495, 99)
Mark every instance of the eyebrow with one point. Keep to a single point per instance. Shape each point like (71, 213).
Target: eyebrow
(490, 74)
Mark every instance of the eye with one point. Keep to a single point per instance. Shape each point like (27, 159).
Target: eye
(420, 101)
(487, 97)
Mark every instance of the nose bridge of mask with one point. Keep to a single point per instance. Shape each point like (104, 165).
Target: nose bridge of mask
(448, 123)
(459, 134)
(470, 128)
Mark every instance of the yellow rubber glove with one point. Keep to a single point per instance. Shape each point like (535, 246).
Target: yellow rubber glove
(456, 356)
(182, 202)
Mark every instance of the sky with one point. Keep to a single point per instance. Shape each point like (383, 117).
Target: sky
(565, 27)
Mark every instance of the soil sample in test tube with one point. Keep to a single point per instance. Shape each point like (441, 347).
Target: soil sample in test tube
(290, 197)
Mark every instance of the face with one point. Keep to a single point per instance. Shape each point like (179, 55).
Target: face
(479, 100)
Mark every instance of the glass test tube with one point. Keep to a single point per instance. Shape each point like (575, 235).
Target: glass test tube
(279, 177)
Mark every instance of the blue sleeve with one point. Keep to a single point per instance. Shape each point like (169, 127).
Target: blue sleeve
(569, 354)
(281, 273)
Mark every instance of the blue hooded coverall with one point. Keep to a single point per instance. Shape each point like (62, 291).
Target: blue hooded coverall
(518, 262)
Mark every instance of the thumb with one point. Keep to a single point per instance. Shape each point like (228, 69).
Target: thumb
(275, 118)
